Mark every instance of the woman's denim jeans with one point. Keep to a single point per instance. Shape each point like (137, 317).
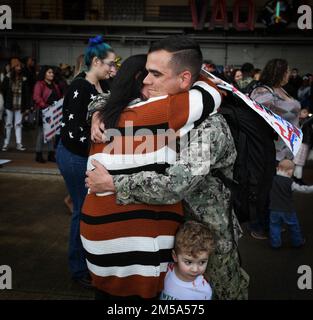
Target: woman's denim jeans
(73, 168)
(291, 219)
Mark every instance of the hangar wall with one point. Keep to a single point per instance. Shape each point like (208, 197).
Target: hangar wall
(58, 51)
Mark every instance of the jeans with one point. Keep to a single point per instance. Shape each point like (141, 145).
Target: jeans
(291, 219)
(73, 168)
(17, 115)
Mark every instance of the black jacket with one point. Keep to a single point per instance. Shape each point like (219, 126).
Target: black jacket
(75, 132)
(8, 94)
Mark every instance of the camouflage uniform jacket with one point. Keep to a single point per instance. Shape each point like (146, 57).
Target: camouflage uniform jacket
(211, 146)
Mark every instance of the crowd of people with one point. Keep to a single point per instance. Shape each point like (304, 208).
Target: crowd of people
(26, 89)
(153, 222)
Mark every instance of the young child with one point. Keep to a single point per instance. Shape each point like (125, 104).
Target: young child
(184, 279)
(282, 209)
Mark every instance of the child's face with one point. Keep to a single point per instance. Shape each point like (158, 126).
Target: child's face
(188, 267)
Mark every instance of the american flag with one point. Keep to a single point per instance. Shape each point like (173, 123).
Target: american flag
(52, 118)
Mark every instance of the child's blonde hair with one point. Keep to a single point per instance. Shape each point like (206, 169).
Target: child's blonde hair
(192, 238)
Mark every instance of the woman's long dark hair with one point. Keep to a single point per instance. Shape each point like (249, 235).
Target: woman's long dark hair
(274, 72)
(126, 87)
(42, 72)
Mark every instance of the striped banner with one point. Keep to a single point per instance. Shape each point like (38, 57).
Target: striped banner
(51, 119)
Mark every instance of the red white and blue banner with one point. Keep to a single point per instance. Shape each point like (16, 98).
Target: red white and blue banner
(52, 119)
(291, 135)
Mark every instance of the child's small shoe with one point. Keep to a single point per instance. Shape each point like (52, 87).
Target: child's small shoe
(259, 235)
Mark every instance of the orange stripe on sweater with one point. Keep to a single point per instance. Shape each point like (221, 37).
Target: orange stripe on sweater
(129, 228)
(152, 113)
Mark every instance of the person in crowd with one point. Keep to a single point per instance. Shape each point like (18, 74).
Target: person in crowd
(304, 92)
(294, 83)
(169, 62)
(80, 65)
(209, 66)
(16, 96)
(30, 71)
(1, 106)
(114, 70)
(247, 70)
(63, 84)
(236, 77)
(73, 147)
(282, 208)
(257, 74)
(66, 73)
(46, 91)
(60, 80)
(4, 71)
(271, 93)
(184, 279)
(310, 76)
(306, 125)
(227, 73)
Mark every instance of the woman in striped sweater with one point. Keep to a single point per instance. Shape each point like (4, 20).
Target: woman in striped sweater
(128, 247)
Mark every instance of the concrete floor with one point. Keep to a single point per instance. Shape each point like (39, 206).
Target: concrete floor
(34, 226)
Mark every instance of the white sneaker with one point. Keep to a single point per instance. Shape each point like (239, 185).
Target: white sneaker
(20, 147)
(5, 147)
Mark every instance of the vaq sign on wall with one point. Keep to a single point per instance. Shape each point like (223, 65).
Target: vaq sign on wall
(274, 14)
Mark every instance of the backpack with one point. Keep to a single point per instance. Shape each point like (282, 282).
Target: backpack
(256, 85)
(254, 167)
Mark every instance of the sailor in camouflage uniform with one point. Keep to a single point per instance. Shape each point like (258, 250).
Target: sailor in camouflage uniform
(205, 197)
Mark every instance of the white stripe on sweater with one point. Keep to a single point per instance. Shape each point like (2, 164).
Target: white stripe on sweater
(142, 103)
(195, 111)
(196, 105)
(128, 244)
(213, 92)
(128, 161)
(121, 272)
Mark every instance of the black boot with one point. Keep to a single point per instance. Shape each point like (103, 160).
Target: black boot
(51, 156)
(39, 157)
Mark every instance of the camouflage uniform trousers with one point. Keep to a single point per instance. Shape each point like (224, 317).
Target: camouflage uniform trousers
(228, 280)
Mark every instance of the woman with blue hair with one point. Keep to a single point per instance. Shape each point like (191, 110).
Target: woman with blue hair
(73, 148)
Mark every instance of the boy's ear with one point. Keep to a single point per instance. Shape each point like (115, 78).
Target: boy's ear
(174, 256)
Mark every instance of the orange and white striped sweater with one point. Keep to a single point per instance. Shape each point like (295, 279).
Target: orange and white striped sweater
(129, 247)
